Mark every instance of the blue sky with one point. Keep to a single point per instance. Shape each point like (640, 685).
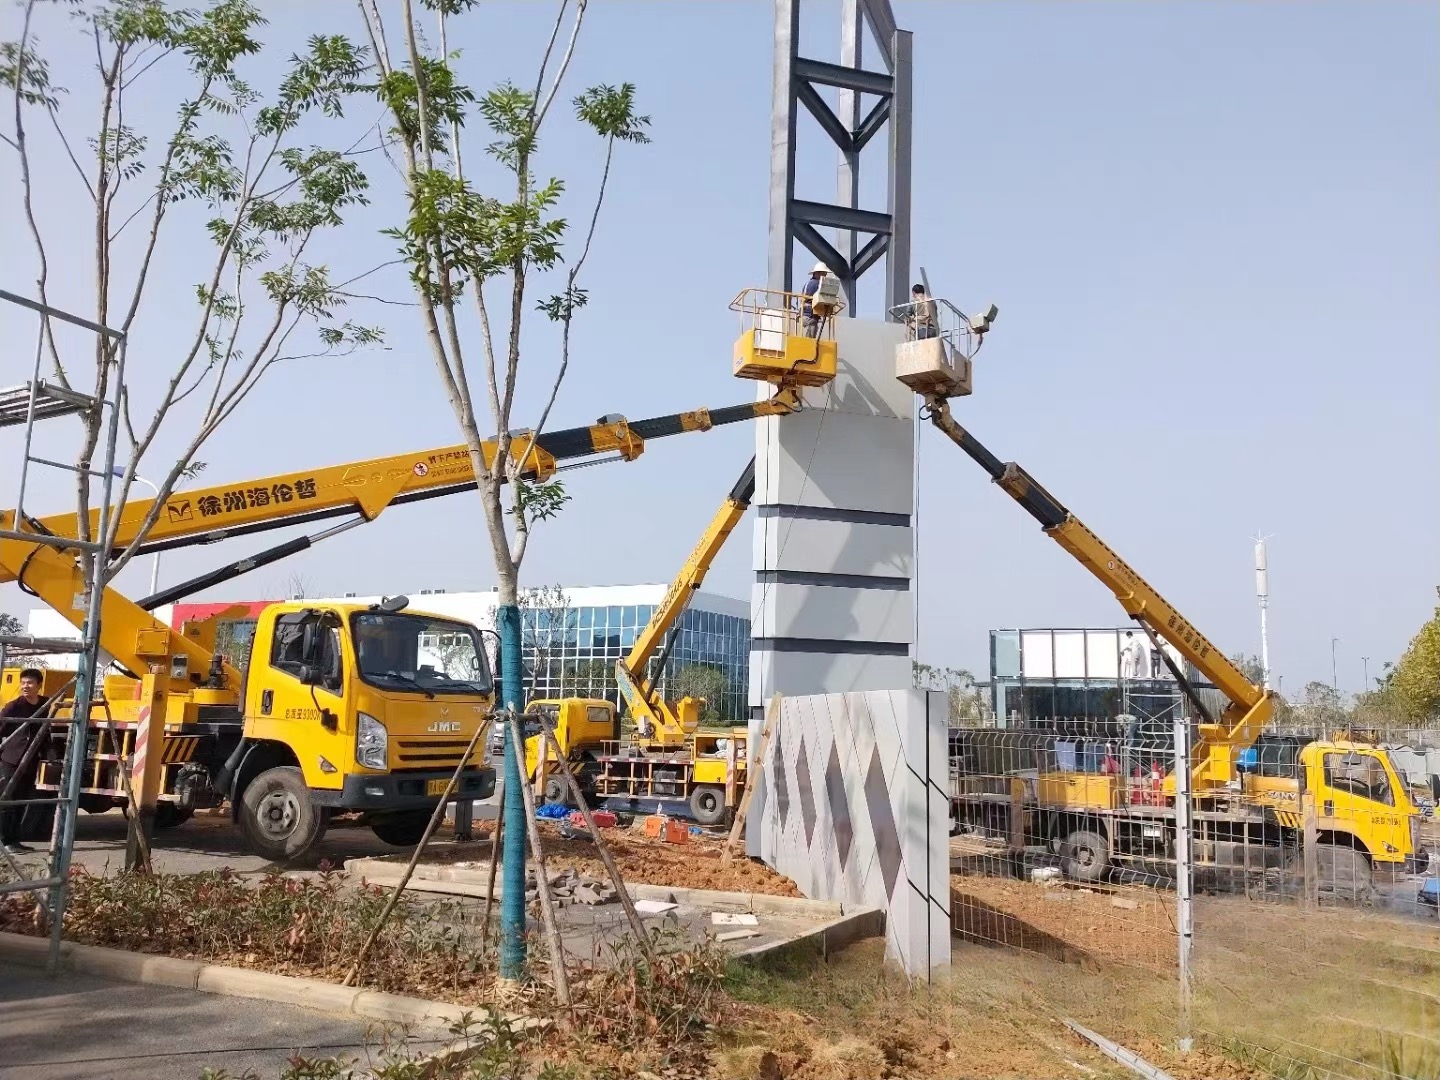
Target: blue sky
(1210, 228)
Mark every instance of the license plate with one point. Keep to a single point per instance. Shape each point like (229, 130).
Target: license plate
(436, 787)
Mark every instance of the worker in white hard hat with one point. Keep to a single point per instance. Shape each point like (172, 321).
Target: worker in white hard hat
(810, 319)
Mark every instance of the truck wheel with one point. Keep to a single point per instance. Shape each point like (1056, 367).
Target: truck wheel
(403, 829)
(707, 804)
(277, 817)
(1344, 874)
(557, 790)
(168, 815)
(1085, 856)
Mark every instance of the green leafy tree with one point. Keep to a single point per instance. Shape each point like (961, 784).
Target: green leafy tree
(204, 173)
(1322, 707)
(968, 702)
(1412, 686)
(589, 677)
(706, 681)
(1250, 667)
(467, 247)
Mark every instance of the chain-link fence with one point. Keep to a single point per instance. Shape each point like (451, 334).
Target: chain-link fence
(1278, 916)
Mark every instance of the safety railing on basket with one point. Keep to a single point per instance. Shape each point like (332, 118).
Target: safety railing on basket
(774, 314)
(933, 317)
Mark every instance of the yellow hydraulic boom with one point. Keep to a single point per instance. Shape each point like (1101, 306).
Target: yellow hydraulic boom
(140, 642)
(658, 722)
(1213, 760)
(366, 488)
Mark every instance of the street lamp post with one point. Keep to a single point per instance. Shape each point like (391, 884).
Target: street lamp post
(1334, 670)
(1365, 662)
(155, 565)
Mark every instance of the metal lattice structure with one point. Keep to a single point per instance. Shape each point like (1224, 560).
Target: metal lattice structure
(870, 101)
(27, 405)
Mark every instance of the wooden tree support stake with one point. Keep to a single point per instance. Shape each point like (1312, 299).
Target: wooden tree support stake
(601, 848)
(430, 827)
(542, 879)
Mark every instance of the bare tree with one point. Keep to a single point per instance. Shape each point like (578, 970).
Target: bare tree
(231, 172)
(549, 628)
(457, 240)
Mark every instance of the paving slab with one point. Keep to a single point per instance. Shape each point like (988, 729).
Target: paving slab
(595, 930)
(79, 1027)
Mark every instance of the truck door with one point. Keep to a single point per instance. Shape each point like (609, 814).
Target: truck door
(1358, 796)
(301, 696)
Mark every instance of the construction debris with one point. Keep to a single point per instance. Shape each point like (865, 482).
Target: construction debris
(571, 887)
(654, 907)
(737, 935)
(733, 918)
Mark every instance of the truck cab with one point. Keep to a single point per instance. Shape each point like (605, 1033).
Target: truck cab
(1360, 800)
(368, 708)
(582, 727)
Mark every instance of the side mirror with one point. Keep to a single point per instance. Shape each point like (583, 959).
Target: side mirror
(308, 674)
(391, 604)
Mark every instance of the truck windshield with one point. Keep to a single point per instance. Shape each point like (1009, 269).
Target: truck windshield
(396, 651)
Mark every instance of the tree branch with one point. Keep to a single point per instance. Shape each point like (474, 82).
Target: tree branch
(570, 279)
(564, 63)
(27, 196)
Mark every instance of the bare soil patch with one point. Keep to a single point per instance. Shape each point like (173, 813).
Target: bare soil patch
(693, 865)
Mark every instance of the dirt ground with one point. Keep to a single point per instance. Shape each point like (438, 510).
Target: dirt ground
(1066, 922)
(692, 865)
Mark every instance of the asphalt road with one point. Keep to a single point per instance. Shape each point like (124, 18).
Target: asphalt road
(79, 1027)
(209, 841)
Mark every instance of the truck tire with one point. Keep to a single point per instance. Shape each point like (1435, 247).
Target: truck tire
(707, 804)
(403, 829)
(277, 817)
(1344, 874)
(557, 790)
(1084, 856)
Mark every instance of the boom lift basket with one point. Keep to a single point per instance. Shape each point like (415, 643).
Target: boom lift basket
(779, 343)
(939, 342)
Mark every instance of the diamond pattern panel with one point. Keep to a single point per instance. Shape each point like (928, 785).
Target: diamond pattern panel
(782, 786)
(882, 822)
(839, 806)
(805, 789)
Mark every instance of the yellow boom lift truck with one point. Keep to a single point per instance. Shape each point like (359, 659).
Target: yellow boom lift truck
(1359, 807)
(669, 762)
(343, 707)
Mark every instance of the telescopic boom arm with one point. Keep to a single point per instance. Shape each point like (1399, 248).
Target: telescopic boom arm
(653, 717)
(1250, 706)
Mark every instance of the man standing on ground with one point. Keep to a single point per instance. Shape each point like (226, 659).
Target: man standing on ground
(17, 728)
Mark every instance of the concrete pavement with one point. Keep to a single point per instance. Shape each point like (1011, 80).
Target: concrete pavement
(77, 1027)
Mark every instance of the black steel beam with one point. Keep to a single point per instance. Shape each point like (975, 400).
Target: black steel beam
(846, 78)
(824, 115)
(870, 253)
(873, 122)
(828, 215)
(822, 249)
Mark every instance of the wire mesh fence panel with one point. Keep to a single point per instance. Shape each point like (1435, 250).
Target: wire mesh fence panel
(1317, 946)
(1062, 850)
